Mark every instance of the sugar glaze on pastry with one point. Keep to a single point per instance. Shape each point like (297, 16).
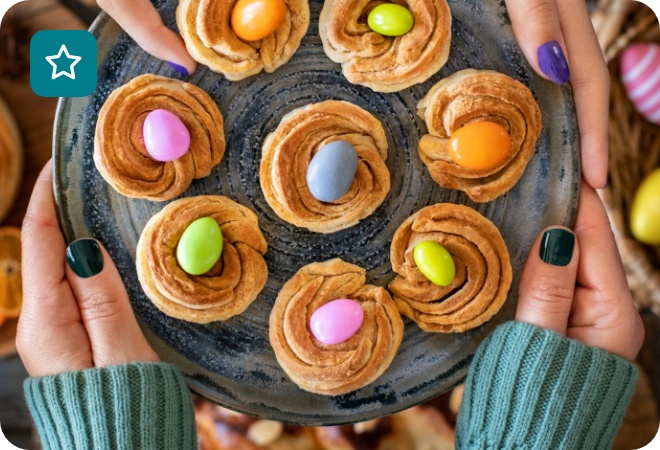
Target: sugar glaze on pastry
(382, 63)
(288, 150)
(483, 270)
(333, 369)
(470, 96)
(224, 291)
(205, 28)
(120, 154)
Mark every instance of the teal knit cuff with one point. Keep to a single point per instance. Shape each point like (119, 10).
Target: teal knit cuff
(530, 388)
(133, 406)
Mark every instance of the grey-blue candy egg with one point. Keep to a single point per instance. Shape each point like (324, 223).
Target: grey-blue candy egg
(332, 170)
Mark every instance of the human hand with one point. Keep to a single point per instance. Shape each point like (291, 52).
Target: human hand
(581, 292)
(559, 42)
(69, 322)
(142, 22)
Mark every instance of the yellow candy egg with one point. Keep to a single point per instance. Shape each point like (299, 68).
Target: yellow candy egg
(479, 145)
(253, 20)
(645, 211)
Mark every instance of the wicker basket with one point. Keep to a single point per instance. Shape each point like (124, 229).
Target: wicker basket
(634, 143)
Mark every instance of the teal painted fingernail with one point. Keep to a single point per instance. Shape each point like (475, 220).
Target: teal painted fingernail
(85, 258)
(557, 247)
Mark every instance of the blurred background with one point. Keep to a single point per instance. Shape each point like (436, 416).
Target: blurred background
(626, 29)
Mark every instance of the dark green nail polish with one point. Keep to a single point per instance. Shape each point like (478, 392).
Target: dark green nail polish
(557, 247)
(85, 258)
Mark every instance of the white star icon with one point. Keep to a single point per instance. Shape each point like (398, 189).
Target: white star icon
(71, 73)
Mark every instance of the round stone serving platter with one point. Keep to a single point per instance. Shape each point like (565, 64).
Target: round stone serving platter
(232, 362)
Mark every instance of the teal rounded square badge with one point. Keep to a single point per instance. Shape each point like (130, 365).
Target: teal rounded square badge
(63, 63)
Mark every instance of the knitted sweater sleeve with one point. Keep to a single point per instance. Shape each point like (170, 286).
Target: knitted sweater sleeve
(530, 388)
(133, 407)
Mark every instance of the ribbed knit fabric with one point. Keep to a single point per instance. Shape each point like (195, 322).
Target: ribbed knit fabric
(139, 406)
(530, 388)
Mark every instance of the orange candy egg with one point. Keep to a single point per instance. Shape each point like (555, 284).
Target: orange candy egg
(253, 20)
(479, 145)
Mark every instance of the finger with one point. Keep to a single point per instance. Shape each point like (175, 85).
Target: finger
(113, 331)
(537, 30)
(590, 80)
(142, 22)
(600, 267)
(50, 324)
(547, 284)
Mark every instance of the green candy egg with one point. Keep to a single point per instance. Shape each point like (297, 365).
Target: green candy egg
(435, 263)
(200, 246)
(390, 19)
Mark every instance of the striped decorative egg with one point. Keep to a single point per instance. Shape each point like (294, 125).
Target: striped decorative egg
(640, 69)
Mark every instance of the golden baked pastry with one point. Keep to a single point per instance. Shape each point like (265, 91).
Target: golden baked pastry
(288, 150)
(224, 291)
(205, 28)
(471, 96)
(382, 63)
(119, 151)
(483, 271)
(338, 368)
(11, 284)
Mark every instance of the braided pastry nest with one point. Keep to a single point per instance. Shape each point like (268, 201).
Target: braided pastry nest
(119, 151)
(473, 96)
(288, 151)
(382, 63)
(224, 291)
(483, 270)
(206, 31)
(339, 368)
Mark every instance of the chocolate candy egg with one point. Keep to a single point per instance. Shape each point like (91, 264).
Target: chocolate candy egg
(336, 321)
(640, 69)
(166, 138)
(435, 263)
(200, 246)
(645, 211)
(331, 171)
(390, 19)
(253, 20)
(479, 145)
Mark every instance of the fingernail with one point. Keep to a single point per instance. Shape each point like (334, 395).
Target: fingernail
(85, 258)
(557, 247)
(552, 62)
(182, 70)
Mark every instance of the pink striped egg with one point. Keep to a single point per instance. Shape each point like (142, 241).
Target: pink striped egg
(640, 69)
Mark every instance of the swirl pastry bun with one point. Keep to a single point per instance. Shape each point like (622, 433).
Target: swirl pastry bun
(382, 63)
(224, 291)
(483, 271)
(471, 96)
(205, 28)
(120, 154)
(288, 150)
(338, 368)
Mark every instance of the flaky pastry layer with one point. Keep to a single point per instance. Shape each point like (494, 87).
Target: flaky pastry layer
(288, 150)
(119, 151)
(473, 96)
(483, 270)
(229, 287)
(339, 368)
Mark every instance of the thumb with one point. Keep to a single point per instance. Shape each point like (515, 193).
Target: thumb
(106, 313)
(547, 284)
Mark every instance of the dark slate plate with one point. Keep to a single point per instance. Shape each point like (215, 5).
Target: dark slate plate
(232, 362)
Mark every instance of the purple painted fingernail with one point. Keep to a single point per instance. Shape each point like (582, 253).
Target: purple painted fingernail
(552, 62)
(182, 70)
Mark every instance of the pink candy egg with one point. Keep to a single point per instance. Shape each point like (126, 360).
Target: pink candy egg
(640, 70)
(336, 321)
(165, 136)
